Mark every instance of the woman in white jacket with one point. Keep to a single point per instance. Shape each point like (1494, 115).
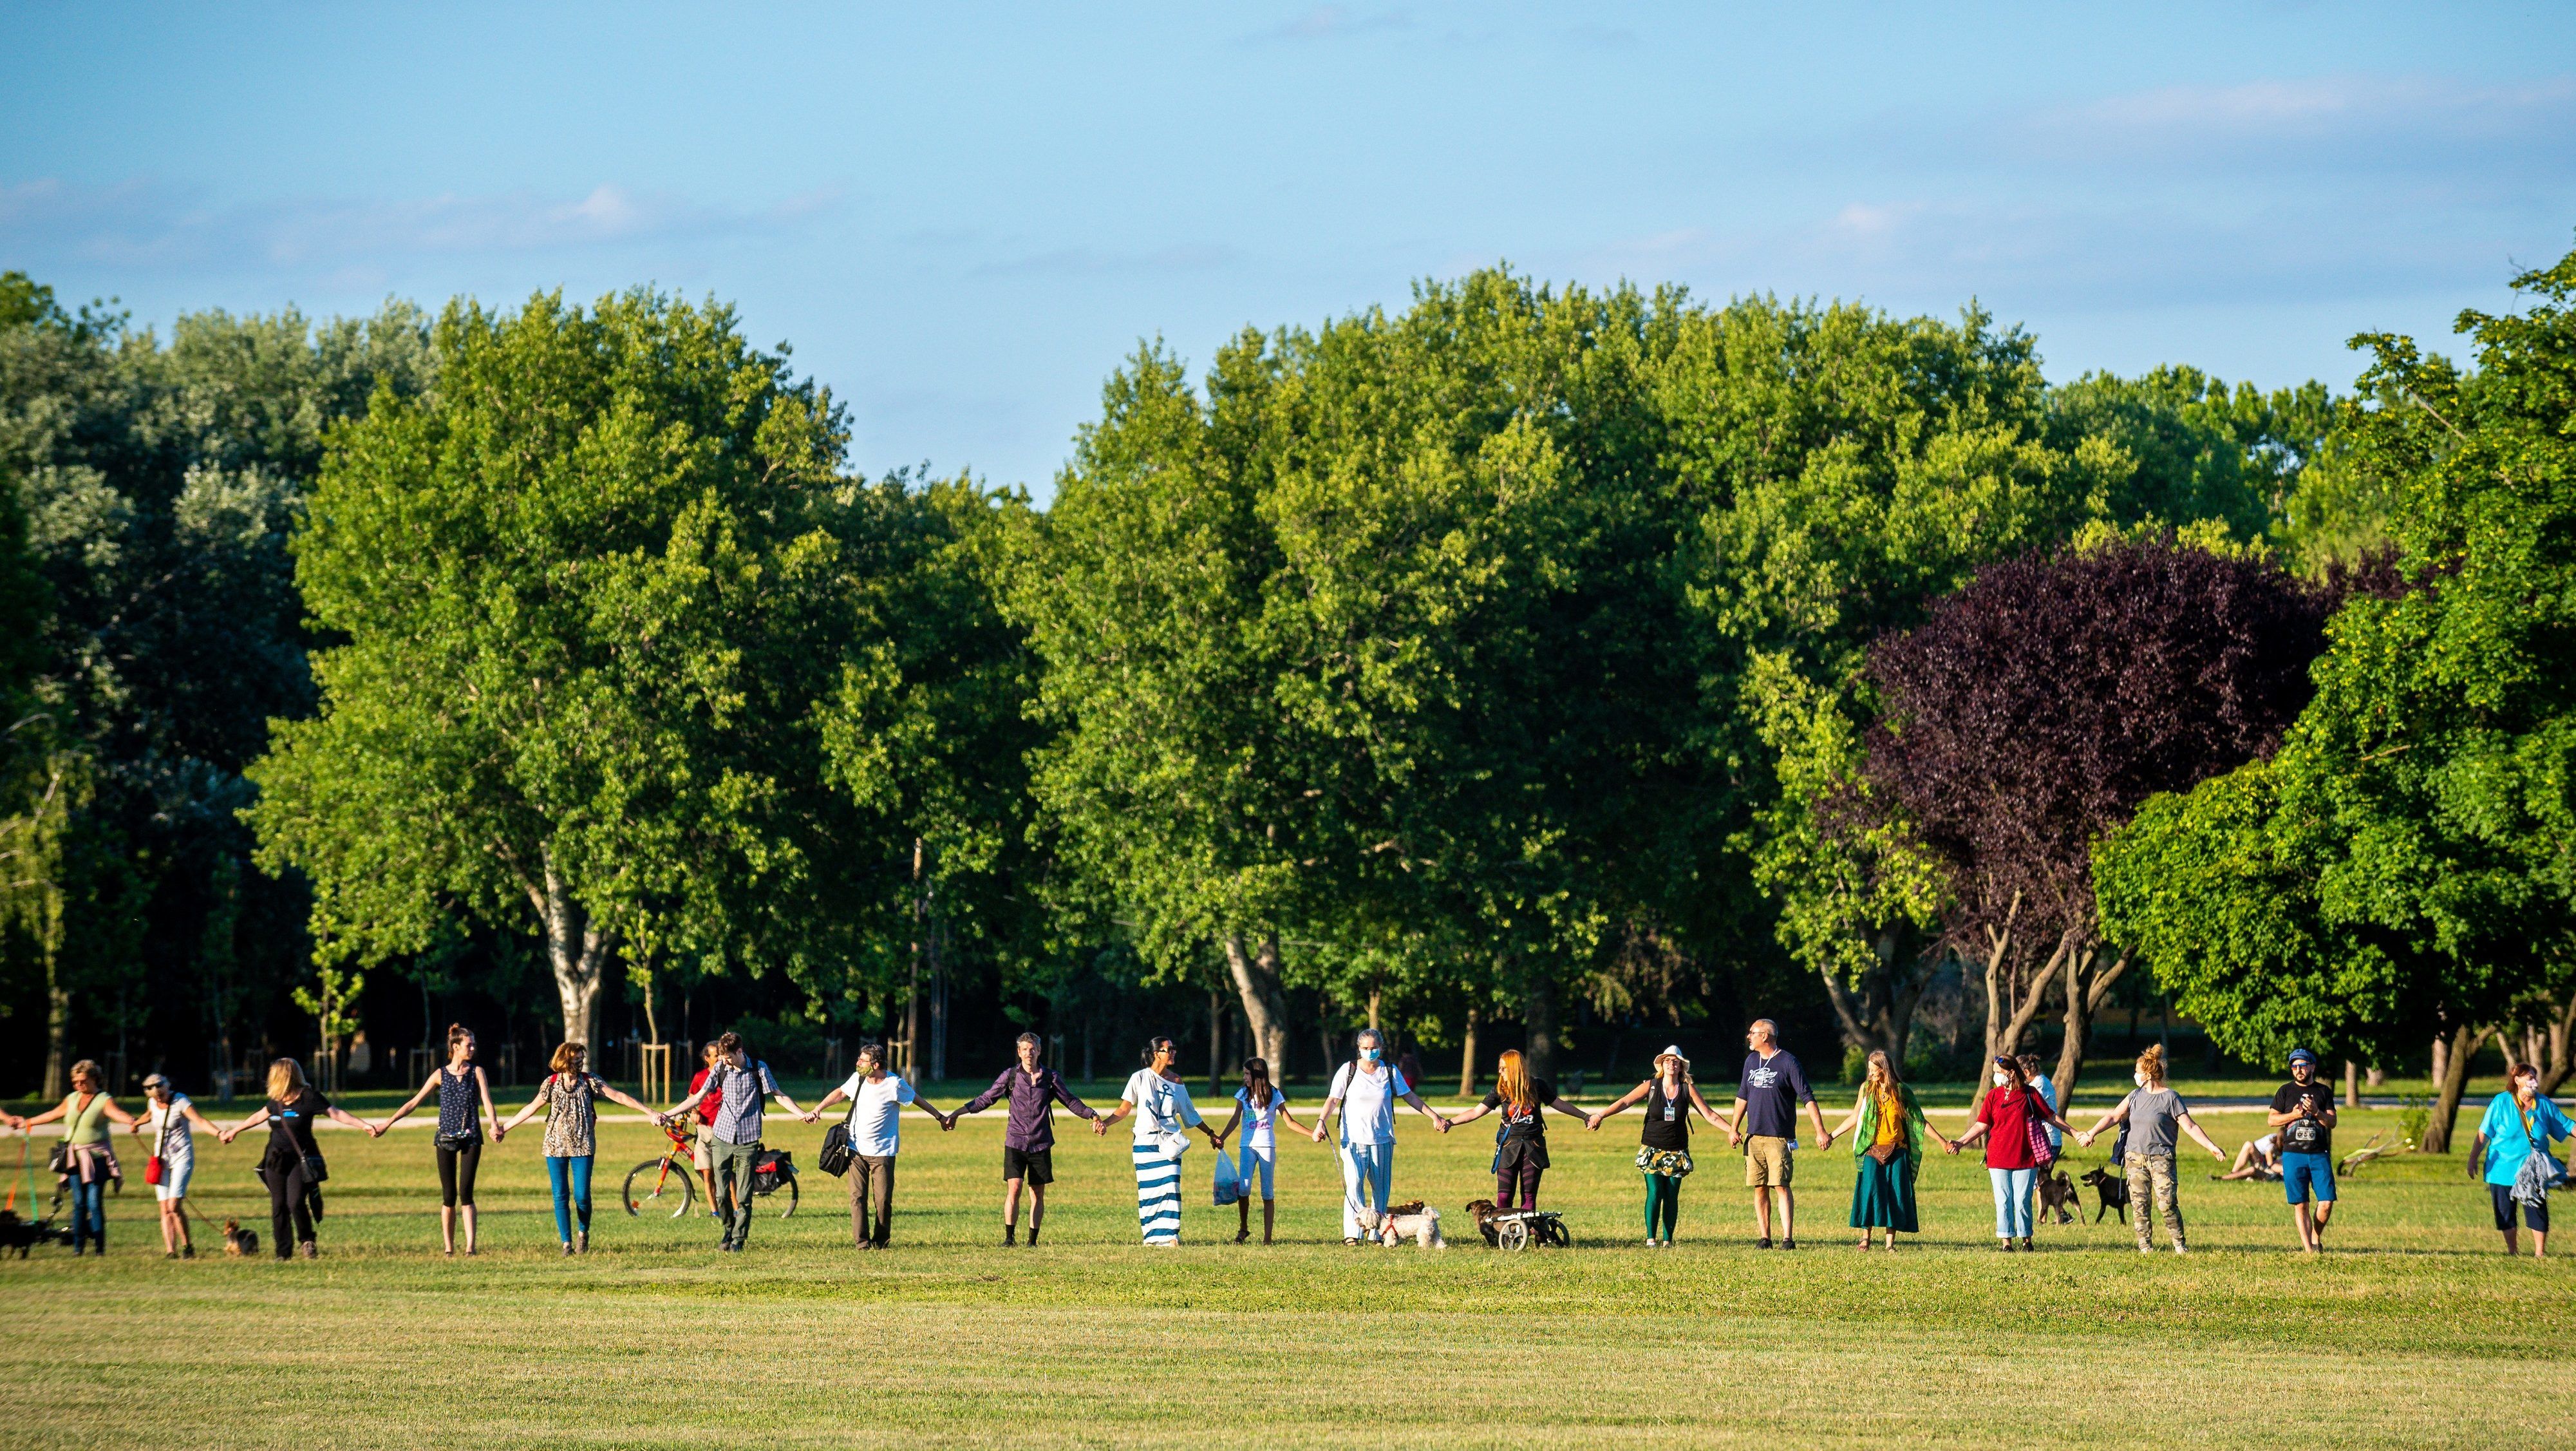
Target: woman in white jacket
(1161, 1104)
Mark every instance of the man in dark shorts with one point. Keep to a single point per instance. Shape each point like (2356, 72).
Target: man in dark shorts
(1028, 1140)
(2303, 1114)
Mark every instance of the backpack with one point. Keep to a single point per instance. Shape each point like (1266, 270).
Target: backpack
(770, 1168)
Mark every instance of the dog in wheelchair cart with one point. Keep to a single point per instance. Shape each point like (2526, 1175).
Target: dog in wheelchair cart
(1517, 1229)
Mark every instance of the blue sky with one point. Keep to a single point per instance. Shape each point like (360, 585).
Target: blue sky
(963, 216)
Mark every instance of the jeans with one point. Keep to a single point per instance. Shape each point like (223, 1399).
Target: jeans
(1368, 1172)
(570, 1177)
(733, 1164)
(871, 1199)
(2012, 1201)
(89, 1212)
(2151, 1176)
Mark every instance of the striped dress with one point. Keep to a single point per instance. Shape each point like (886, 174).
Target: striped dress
(1163, 1110)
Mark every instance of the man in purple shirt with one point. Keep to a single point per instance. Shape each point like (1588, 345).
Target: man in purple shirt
(1028, 1141)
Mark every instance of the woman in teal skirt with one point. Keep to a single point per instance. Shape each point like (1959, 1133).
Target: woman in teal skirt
(1887, 1129)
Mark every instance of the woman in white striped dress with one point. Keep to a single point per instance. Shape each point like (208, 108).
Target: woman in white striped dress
(1161, 1104)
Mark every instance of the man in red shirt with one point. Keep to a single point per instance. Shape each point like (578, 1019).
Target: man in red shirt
(706, 1135)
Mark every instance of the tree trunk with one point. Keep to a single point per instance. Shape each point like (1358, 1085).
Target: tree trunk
(58, 1029)
(2007, 1038)
(2088, 986)
(1216, 1041)
(1539, 1014)
(2554, 1068)
(912, 1000)
(2453, 1082)
(575, 949)
(1467, 1058)
(1265, 1001)
(2351, 1084)
(2002, 944)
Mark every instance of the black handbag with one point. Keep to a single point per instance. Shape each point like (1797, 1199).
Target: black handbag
(835, 1157)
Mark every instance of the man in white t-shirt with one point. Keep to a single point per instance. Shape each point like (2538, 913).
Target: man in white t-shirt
(876, 1136)
(1365, 1090)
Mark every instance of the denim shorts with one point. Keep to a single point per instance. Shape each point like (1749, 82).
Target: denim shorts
(2301, 1173)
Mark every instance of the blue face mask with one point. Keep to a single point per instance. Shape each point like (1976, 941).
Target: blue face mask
(1375, 1054)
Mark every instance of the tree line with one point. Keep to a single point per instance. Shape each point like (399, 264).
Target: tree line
(1533, 660)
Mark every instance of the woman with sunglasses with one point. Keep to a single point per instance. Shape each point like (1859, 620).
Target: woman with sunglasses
(86, 1112)
(170, 1117)
(1161, 1103)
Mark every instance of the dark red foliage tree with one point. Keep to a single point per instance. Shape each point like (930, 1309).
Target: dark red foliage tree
(2039, 706)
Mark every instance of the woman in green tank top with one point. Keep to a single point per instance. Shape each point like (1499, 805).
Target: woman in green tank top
(85, 1113)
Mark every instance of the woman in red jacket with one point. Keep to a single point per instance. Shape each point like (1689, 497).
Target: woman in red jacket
(2012, 1114)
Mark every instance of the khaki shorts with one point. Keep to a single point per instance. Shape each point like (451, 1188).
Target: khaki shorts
(1767, 1162)
(704, 1155)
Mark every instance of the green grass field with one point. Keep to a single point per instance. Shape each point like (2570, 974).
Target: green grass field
(2410, 1333)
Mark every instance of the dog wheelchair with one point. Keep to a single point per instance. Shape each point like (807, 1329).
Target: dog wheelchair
(1518, 1229)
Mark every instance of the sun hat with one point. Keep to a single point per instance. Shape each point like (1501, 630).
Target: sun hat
(1672, 1050)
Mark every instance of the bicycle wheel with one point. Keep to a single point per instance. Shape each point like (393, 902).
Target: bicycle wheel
(786, 1186)
(661, 1185)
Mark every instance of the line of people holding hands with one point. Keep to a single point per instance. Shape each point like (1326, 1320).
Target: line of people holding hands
(2016, 1120)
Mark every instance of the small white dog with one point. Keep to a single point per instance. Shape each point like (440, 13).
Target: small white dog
(1417, 1221)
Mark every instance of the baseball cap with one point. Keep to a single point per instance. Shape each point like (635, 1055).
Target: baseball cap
(2302, 1055)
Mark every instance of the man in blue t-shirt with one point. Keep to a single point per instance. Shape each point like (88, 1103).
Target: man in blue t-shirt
(1766, 1124)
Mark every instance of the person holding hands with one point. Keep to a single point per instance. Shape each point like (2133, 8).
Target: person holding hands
(1161, 1103)
(876, 1137)
(1767, 1095)
(1663, 1146)
(1365, 1090)
(1028, 1139)
(2153, 1112)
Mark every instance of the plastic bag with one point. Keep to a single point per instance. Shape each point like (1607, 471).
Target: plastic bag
(1229, 1185)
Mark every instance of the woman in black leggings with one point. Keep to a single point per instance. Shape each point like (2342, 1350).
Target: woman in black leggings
(292, 1166)
(462, 1090)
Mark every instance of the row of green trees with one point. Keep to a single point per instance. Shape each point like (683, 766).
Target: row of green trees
(1532, 652)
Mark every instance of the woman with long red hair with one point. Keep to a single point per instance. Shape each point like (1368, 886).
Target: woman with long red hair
(1520, 1142)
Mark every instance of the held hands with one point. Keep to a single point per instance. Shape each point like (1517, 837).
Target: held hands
(2084, 1139)
(1824, 1142)
(1100, 1127)
(1592, 1121)
(1318, 1134)
(813, 1115)
(1445, 1125)
(947, 1124)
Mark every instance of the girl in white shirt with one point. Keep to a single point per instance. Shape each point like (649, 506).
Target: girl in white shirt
(1161, 1104)
(1266, 1108)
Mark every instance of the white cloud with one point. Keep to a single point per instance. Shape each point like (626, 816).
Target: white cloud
(148, 223)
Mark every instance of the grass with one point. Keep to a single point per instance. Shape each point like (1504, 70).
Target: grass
(2405, 1335)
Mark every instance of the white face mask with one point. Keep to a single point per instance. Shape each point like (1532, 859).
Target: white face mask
(2139, 1079)
(2002, 1078)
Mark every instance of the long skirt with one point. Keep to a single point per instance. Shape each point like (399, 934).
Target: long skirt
(1883, 1195)
(1158, 1192)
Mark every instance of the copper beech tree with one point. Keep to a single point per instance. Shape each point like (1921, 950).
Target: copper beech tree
(2035, 710)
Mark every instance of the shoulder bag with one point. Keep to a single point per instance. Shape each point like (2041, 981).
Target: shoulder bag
(154, 1170)
(2041, 1153)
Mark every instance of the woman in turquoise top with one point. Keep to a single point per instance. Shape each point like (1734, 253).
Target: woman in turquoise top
(2519, 1124)
(86, 1112)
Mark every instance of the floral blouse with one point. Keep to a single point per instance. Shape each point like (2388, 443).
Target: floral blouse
(572, 1114)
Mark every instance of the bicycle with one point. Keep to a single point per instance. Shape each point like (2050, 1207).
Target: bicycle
(674, 1176)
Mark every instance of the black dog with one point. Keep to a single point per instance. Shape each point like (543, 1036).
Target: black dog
(240, 1241)
(2114, 1193)
(23, 1235)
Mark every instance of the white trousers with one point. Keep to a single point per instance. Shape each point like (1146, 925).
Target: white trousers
(1367, 1172)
